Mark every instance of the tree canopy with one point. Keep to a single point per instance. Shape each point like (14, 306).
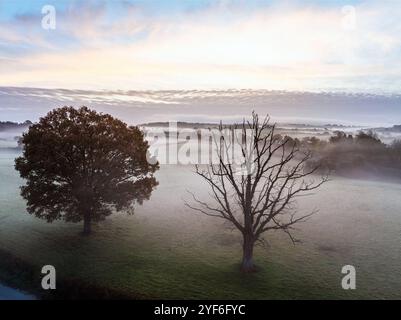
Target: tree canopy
(83, 165)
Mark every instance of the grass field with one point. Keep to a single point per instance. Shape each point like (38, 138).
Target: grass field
(167, 251)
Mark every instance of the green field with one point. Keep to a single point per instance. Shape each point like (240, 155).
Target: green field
(167, 251)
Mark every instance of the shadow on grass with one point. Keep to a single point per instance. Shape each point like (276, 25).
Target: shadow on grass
(19, 274)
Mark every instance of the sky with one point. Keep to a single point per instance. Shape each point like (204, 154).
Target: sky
(352, 46)
(136, 107)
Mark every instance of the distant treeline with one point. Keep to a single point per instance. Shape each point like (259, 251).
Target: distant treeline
(395, 128)
(363, 153)
(8, 125)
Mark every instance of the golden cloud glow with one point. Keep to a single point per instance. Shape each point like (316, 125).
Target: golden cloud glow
(281, 48)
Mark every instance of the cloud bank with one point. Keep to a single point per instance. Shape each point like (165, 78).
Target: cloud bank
(136, 107)
(207, 45)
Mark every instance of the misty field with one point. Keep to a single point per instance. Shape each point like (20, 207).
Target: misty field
(165, 250)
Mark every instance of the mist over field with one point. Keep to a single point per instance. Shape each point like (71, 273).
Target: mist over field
(358, 223)
(165, 245)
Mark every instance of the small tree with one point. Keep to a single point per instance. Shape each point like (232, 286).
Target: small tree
(262, 198)
(83, 165)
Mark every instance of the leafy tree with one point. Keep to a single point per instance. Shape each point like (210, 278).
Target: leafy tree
(83, 165)
(368, 138)
(339, 136)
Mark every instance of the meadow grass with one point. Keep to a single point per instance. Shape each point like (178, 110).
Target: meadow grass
(167, 251)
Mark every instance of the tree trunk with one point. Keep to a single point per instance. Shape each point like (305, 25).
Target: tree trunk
(247, 258)
(87, 224)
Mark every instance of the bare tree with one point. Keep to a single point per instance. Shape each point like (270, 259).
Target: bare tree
(263, 196)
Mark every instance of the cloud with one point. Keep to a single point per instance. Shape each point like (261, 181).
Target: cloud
(137, 107)
(225, 44)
